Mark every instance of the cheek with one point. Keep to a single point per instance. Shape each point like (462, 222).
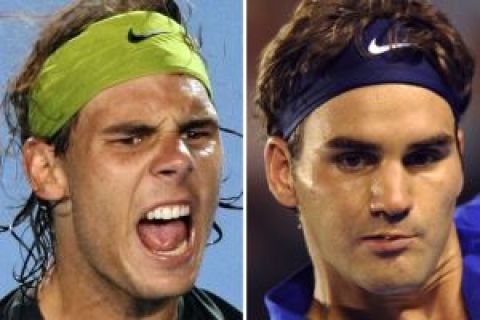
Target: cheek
(325, 192)
(209, 160)
(442, 186)
(100, 203)
(94, 179)
(209, 173)
(331, 207)
(210, 150)
(437, 195)
(99, 189)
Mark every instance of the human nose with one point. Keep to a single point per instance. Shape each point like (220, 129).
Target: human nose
(173, 160)
(391, 194)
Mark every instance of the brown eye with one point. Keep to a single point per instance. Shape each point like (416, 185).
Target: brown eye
(423, 158)
(354, 161)
(131, 141)
(197, 133)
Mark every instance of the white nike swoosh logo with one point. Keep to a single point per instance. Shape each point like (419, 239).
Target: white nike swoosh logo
(375, 49)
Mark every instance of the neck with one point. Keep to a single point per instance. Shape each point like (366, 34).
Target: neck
(439, 298)
(64, 297)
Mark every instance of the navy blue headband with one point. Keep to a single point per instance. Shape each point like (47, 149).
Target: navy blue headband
(384, 62)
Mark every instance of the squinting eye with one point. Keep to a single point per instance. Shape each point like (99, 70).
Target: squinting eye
(194, 134)
(423, 158)
(131, 140)
(353, 161)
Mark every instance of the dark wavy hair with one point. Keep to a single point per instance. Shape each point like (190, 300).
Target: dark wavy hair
(320, 29)
(37, 213)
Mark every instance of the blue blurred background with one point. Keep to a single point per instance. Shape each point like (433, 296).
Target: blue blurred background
(220, 24)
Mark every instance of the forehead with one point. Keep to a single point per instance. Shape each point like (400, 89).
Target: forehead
(176, 96)
(380, 113)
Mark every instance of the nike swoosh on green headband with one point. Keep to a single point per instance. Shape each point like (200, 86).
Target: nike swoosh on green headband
(135, 38)
(108, 52)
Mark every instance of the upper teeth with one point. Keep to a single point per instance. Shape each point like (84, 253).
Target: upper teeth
(170, 212)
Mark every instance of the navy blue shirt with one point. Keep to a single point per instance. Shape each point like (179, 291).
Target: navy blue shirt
(291, 299)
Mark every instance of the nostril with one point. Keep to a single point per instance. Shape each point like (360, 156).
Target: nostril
(177, 168)
(173, 160)
(391, 216)
(168, 172)
(396, 216)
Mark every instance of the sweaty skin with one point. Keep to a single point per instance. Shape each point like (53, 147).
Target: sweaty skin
(376, 184)
(147, 143)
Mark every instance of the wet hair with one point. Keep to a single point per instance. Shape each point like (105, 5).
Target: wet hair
(319, 30)
(37, 213)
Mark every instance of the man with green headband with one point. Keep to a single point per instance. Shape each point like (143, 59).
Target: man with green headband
(121, 146)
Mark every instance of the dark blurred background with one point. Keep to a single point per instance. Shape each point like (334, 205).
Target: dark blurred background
(274, 244)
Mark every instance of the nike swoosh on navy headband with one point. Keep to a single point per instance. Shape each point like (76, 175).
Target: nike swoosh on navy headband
(135, 38)
(375, 49)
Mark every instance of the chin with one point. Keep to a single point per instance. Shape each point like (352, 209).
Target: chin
(393, 290)
(391, 286)
(150, 284)
(154, 291)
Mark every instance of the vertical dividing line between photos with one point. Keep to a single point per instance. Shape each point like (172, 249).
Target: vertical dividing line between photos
(244, 154)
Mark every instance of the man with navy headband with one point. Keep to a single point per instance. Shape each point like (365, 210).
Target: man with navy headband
(361, 101)
(120, 143)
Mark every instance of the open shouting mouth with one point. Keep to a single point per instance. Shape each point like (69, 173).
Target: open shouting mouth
(167, 232)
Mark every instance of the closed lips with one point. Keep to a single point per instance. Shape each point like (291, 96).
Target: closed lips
(386, 237)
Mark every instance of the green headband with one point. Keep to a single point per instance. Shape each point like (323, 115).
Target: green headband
(108, 52)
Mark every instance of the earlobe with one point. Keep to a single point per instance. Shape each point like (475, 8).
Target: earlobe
(43, 170)
(278, 164)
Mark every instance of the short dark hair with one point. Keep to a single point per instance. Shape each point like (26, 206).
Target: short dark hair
(319, 30)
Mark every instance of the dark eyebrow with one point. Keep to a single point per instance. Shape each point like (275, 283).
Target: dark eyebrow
(130, 129)
(352, 143)
(438, 141)
(199, 123)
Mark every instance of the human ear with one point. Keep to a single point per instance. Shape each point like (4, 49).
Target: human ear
(461, 142)
(278, 165)
(43, 170)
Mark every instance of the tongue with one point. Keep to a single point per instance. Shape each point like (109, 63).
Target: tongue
(162, 236)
